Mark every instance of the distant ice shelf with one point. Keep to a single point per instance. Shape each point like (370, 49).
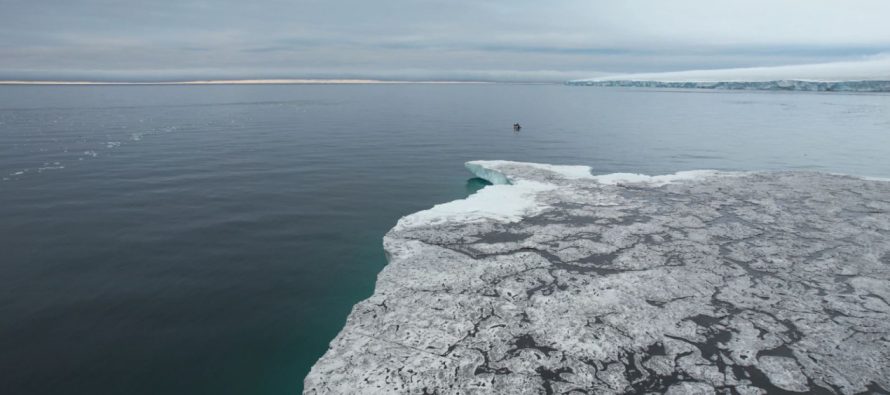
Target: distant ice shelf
(871, 75)
(778, 85)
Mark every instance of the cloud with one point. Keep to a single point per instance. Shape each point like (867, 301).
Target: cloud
(138, 39)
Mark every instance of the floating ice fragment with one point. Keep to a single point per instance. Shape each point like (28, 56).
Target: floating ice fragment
(50, 166)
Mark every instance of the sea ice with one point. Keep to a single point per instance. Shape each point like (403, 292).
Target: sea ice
(557, 281)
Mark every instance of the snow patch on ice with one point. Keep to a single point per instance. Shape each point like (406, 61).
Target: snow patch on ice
(498, 172)
(632, 178)
(514, 194)
(517, 185)
(504, 202)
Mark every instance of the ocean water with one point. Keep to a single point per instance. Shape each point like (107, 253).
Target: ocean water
(212, 239)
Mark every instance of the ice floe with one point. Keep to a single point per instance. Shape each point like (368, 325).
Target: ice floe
(553, 281)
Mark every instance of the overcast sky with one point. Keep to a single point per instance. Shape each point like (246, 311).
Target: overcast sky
(425, 39)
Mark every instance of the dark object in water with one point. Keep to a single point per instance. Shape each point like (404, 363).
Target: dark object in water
(516, 127)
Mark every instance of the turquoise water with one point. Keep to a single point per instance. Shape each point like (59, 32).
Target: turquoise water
(212, 239)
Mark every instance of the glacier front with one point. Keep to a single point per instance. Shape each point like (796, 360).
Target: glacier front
(558, 281)
(871, 75)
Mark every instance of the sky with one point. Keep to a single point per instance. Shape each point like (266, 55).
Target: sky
(515, 40)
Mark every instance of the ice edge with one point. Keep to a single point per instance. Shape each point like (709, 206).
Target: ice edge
(400, 249)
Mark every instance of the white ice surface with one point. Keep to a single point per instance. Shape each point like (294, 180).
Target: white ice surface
(512, 198)
(631, 178)
(488, 169)
(877, 69)
(506, 203)
(884, 179)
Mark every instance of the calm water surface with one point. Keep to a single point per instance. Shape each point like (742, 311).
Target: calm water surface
(212, 239)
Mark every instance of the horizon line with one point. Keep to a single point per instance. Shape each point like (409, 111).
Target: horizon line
(276, 81)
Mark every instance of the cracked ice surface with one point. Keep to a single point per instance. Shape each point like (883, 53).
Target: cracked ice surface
(694, 283)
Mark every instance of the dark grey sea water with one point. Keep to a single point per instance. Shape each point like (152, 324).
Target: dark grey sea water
(212, 239)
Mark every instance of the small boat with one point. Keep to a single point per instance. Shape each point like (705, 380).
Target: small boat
(516, 127)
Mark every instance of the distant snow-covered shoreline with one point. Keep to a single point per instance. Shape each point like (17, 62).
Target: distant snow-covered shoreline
(872, 75)
(777, 85)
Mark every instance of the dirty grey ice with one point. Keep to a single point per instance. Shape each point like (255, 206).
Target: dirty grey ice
(557, 281)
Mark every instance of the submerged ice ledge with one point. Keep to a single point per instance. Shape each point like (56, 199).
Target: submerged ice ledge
(555, 280)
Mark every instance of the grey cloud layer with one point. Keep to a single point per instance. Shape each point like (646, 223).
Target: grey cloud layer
(522, 40)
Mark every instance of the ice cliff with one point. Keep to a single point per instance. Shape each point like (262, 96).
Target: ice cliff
(787, 85)
(871, 75)
(557, 281)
